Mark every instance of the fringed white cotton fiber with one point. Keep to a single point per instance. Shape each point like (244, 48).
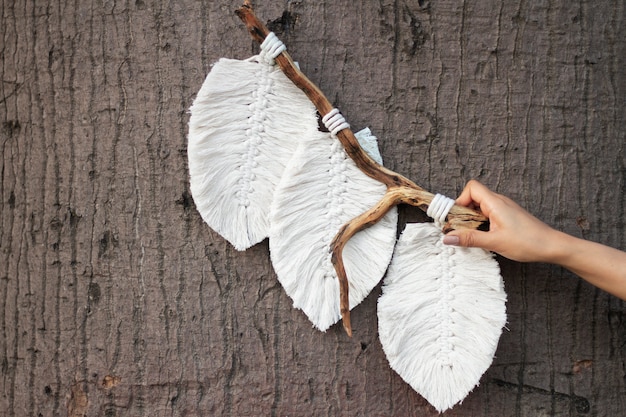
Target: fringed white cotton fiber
(321, 190)
(440, 315)
(369, 143)
(245, 125)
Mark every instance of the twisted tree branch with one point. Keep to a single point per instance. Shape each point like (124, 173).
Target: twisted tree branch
(400, 190)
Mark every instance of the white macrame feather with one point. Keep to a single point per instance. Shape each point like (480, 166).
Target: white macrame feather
(245, 125)
(440, 315)
(321, 190)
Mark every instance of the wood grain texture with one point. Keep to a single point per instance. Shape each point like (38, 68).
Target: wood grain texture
(115, 297)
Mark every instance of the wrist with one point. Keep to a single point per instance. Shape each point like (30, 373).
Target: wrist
(561, 248)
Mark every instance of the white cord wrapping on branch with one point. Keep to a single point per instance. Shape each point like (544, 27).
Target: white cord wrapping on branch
(271, 48)
(335, 122)
(439, 209)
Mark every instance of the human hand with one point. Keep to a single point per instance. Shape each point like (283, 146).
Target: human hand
(513, 232)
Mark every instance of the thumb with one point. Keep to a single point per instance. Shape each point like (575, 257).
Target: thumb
(468, 239)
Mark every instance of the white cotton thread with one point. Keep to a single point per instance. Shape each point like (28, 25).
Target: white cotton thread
(335, 122)
(369, 143)
(439, 208)
(271, 47)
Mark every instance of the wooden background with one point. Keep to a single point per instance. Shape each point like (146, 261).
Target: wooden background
(117, 300)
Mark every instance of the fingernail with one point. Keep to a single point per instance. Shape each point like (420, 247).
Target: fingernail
(451, 240)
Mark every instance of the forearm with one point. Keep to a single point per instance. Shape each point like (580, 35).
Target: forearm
(516, 234)
(599, 265)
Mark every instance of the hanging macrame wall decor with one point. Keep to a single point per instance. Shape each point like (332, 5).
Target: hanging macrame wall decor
(260, 167)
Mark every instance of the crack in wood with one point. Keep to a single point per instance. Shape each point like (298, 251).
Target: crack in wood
(580, 403)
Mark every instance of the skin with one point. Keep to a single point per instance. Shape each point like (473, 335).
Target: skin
(516, 234)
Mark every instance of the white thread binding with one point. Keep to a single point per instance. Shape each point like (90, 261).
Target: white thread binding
(335, 122)
(439, 209)
(271, 48)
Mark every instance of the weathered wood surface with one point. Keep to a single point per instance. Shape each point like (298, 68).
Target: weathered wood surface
(117, 300)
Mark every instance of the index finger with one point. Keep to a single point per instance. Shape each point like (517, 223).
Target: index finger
(475, 193)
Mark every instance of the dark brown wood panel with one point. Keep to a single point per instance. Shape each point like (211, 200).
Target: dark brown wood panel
(117, 300)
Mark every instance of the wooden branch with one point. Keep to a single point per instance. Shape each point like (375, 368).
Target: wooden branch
(259, 31)
(363, 221)
(463, 217)
(399, 188)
